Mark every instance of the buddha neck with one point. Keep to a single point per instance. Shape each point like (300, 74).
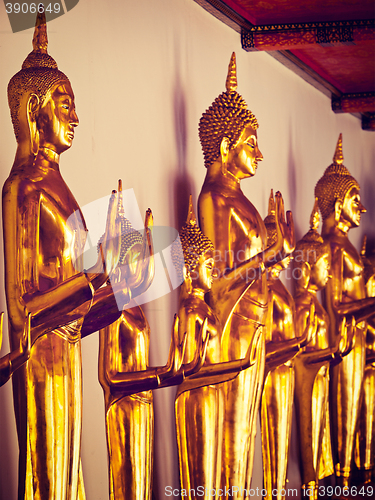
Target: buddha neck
(218, 173)
(311, 289)
(49, 155)
(333, 227)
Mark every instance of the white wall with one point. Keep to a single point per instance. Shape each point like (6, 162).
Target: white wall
(143, 72)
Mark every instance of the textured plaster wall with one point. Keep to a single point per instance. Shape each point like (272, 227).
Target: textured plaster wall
(143, 72)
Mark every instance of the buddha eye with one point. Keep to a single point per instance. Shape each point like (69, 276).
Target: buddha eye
(65, 106)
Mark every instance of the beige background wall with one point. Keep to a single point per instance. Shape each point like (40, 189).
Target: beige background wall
(143, 72)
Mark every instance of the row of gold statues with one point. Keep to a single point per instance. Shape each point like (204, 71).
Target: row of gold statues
(239, 342)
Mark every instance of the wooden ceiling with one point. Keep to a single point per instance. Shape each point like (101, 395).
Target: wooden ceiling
(329, 43)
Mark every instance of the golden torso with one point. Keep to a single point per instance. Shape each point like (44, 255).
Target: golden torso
(238, 233)
(45, 233)
(195, 310)
(124, 348)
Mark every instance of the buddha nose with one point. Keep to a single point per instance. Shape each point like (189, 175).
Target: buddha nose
(259, 155)
(74, 118)
(362, 208)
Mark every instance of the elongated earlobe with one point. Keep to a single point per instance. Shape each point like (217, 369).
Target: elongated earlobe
(224, 152)
(338, 208)
(187, 280)
(32, 108)
(305, 274)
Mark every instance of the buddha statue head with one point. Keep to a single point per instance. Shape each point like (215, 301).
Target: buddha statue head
(228, 124)
(337, 192)
(311, 256)
(41, 99)
(194, 264)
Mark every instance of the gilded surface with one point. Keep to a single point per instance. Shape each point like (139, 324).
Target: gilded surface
(229, 141)
(44, 238)
(200, 397)
(278, 391)
(10, 362)
(312, 363)
(345, 301)
(127, 379)
(365, 437)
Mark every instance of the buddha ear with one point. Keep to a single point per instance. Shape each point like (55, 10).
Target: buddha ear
(187, 280)
(338, 208)
(224, 149)
(305, 274)
(32, 109)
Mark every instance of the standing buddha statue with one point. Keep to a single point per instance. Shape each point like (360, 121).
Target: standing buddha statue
(127, 379)
(365, 437)
(282, 345)
(344, 300)
(228, 135)
(200, 397)
(44, 238)
(311, 272)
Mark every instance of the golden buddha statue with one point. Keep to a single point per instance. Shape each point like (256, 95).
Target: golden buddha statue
(44, 238)
(127, 380)
(365, 437)
(311, 274)
(12, 361)
(282, 345)
(228, 136)
(199, 399)
(344, 300)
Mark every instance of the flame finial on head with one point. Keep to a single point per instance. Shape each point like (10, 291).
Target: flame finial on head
(270, 221)
(231, 83)
(271, 204)
(191, 217)
(315, 217)
(338, 157)
(40, 40)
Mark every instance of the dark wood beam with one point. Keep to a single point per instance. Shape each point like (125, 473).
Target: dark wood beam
(363, 102)
(294, 35)
(368, 121)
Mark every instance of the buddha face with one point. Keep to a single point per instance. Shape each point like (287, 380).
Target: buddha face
(203, 274)
(352, 208)
(243, 158)
(320, 272)
(57, 119)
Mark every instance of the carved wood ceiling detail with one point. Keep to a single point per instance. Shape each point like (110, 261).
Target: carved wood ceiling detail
(329, 43)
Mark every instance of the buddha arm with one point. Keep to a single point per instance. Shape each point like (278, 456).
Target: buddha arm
(56, 306)
(130, 382)
(106, 308)
(227, 367)
(278, 353)
(319, 356)
(10, 363)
